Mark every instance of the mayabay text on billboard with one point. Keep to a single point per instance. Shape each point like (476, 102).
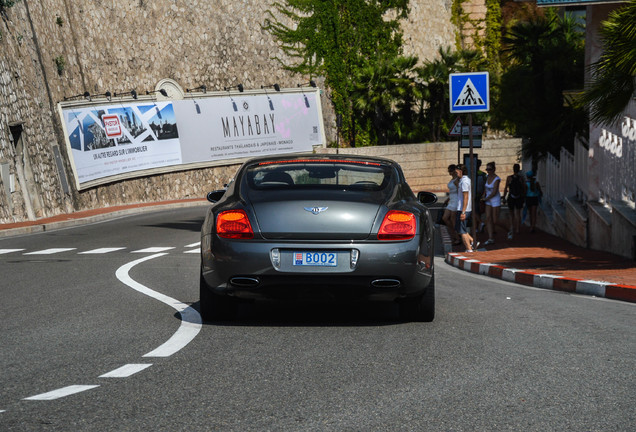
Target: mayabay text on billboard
(113, 140)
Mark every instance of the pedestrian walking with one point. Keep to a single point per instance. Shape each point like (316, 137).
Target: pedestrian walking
(514, 196)
(479, 208)
(464, 207)
(450, 210)
(492, 199)
(533, 194)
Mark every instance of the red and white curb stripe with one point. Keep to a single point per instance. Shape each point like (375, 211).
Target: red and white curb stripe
(540, 280)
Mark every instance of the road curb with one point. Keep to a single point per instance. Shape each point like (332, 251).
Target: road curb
(545, 281)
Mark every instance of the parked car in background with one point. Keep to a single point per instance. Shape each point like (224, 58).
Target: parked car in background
(312, 226)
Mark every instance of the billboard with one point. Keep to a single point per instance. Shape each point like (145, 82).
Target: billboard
(113, 140)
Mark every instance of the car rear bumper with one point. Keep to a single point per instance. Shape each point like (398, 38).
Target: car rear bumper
(383, 271)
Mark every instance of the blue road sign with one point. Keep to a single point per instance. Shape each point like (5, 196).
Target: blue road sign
(469, 92)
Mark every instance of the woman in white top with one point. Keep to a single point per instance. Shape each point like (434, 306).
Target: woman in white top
(450, 211)
(492, 199)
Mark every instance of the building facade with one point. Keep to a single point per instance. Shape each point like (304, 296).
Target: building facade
(594, 205)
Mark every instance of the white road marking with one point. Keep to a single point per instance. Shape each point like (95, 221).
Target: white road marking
(102, 250)
(189, 328)
(193, 245)
(193, 251)
(6, 251)
(50, 251)
(190, 318)
(63, 392)
(153, 250)
(126, 370)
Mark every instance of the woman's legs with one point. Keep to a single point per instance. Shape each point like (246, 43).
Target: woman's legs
(449, 220)
(516, 214)
(492, 216)
(489, 222)
(533, 217)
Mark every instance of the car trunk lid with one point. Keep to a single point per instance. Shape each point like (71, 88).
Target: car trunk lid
(311, 219)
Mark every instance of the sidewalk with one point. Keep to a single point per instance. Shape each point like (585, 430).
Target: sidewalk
(542, 260)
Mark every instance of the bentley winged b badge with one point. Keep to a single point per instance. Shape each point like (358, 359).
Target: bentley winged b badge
(316, 210)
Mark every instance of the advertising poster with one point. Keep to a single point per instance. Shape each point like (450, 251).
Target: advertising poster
(112, 141)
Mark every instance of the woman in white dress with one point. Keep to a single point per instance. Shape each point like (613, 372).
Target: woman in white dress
(450, 211)
(492, 199)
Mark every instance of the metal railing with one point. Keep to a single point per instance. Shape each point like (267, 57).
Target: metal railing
(564, 177)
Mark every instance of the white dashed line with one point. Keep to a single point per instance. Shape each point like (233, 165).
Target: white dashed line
(126, 371)
(190, 319)
(6, 251)
(63, 392)
(50, 251)
(153, 250)
(102, 250)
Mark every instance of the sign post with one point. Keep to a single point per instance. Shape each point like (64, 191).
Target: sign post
(469, 93)
(456, 131)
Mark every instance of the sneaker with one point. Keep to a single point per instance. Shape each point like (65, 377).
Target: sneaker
(510, 235)
(469, 251)
(489, 242)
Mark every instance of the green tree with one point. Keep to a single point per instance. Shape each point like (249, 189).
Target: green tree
(383, 99)
(397, 102)
(613, 82)
(337, 39)
(545, 55)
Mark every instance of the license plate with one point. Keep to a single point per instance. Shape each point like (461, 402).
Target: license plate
(323, 259)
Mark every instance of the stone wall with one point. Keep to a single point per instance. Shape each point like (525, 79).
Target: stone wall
(52, 49)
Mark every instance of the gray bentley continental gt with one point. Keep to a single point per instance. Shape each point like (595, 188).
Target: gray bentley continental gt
(308, 226)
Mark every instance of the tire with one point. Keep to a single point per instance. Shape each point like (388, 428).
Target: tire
(214, 307)
(420, 308)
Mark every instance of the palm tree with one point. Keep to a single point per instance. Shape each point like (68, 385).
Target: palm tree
(382, 94)
(613, 82)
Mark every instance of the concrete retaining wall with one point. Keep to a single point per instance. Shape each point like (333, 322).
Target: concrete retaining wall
(425, 165)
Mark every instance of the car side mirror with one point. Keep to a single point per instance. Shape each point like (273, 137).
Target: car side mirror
(427, 197)
(215, 196)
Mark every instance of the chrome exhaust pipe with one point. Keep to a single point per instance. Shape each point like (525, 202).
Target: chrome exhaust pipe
(385, 283)
(245, 282)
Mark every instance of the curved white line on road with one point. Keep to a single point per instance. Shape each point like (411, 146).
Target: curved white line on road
(190, 318)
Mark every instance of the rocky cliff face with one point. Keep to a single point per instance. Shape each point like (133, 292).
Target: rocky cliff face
(52, 49)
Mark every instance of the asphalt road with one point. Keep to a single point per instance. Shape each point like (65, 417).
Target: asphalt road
(497, 357)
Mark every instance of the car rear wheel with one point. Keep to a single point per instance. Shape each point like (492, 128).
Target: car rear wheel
(420, 308)
(214, 307)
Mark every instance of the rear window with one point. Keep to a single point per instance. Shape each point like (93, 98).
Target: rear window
(325, 174)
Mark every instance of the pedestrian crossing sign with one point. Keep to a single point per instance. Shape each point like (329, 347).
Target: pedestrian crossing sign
(469, 92)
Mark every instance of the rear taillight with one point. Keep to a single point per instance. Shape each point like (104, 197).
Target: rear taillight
(234, 224)
(397, 225)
